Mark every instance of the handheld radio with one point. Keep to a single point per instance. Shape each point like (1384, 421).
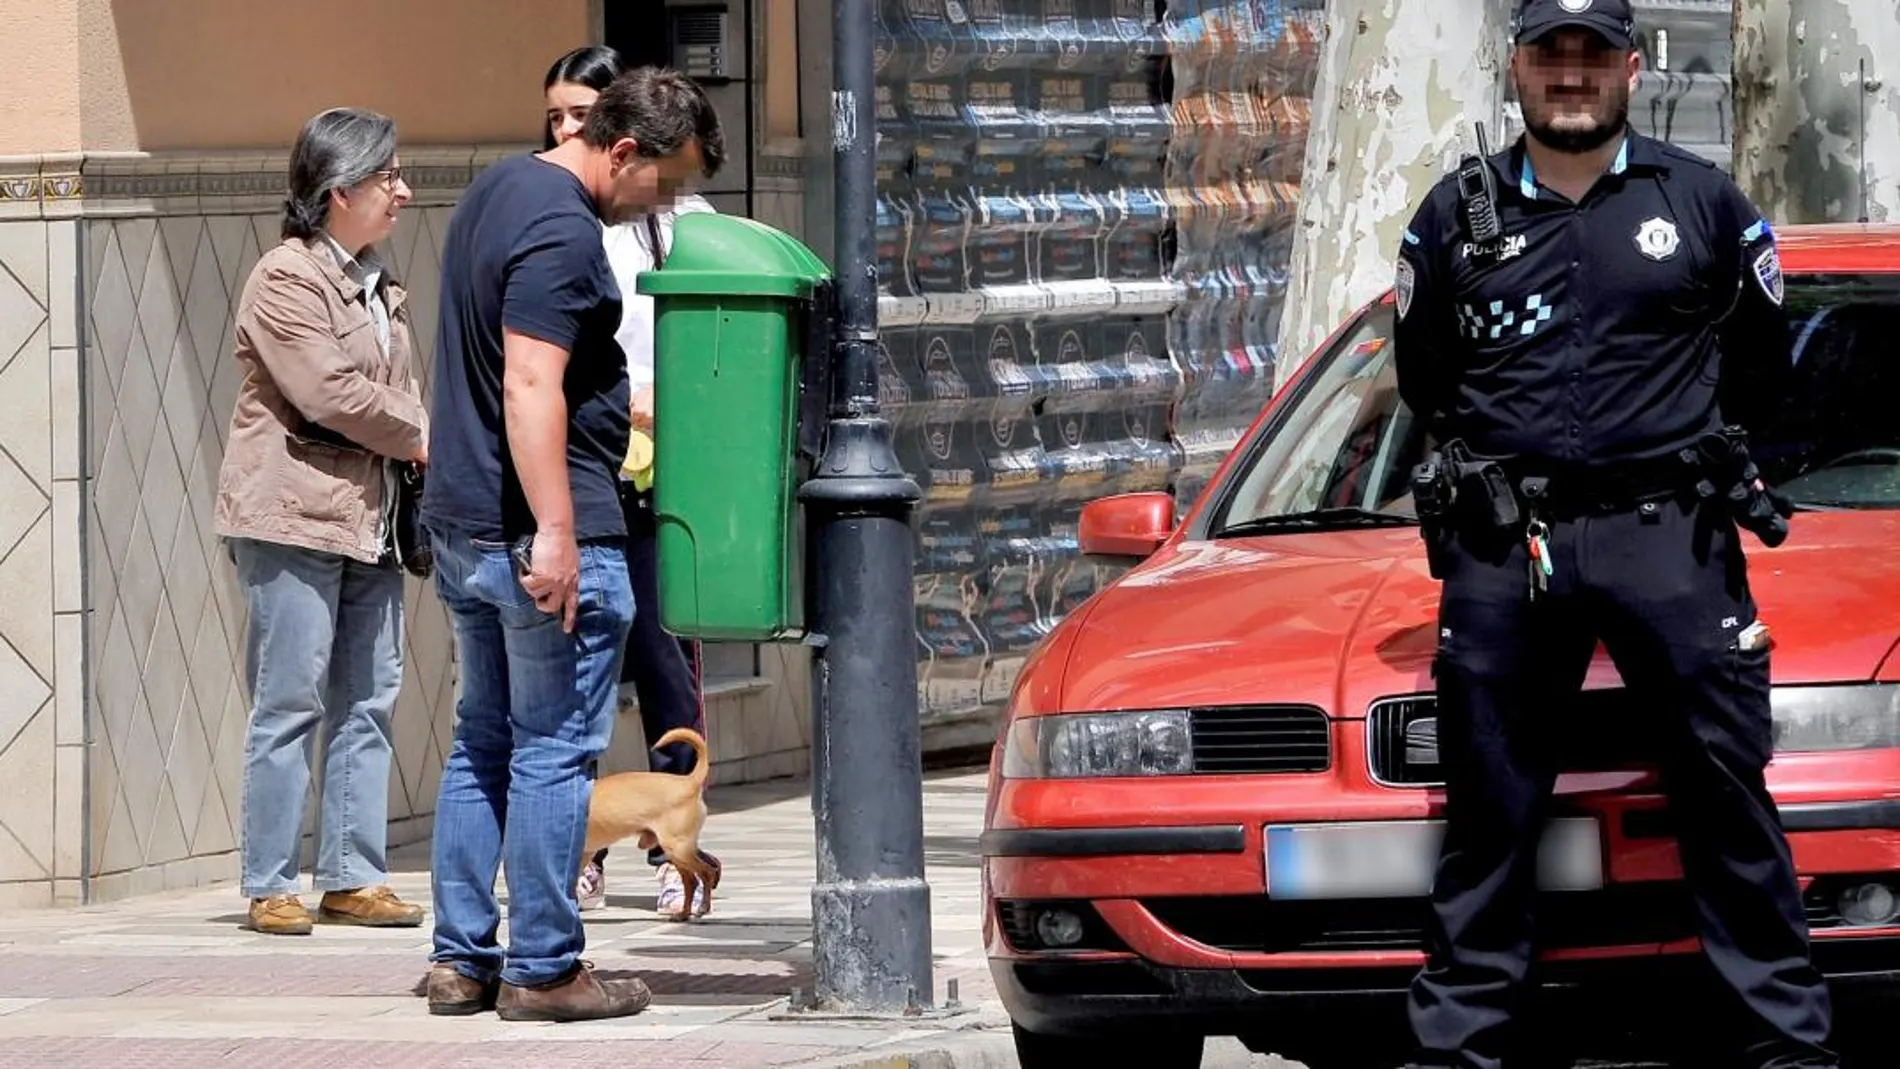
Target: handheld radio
(1478, 193)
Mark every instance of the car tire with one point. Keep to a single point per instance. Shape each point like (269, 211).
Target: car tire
(1167, 1051)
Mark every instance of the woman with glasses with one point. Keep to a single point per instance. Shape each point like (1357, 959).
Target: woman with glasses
(306, 495)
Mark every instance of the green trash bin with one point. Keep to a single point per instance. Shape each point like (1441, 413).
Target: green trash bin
(734, 308)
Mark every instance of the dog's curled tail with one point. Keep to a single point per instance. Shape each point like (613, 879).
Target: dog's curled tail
(702, 762)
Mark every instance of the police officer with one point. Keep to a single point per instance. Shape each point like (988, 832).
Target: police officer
(1581, 318)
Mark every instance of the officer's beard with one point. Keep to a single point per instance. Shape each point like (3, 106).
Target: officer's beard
(1570, 137)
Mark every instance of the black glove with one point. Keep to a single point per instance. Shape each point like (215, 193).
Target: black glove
(1725, 462)
(1762, 511)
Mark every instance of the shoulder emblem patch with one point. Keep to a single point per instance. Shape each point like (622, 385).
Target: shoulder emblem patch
(1407, 282)
(1768, 274)
(1657, 239)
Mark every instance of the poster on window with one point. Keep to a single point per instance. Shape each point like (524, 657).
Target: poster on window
(1083, 232)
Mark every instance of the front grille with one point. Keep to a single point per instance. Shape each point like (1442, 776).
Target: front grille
(1397, 733)
(1261, 738)
(1636, 913)
(1821, 913)
(1593, 731)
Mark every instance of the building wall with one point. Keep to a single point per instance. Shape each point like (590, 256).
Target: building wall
(39, 77)
(42, 734)
(236, 74)
(169, 707)
(122, 708)
(448, 71)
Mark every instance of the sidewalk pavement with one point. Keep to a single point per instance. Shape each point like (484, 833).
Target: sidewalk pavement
(176, 980)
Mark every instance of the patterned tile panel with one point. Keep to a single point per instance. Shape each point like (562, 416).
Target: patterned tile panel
(33, 565)
(171, 708)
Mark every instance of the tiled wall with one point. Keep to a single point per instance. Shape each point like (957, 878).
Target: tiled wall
(169, 707)
(42, 753)
(122, 711)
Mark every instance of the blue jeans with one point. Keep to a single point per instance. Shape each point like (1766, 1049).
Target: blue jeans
(535, 714)
(323, 646)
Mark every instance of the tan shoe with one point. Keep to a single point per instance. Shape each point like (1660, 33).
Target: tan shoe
(453, 995)
(578, 996)
(280, 915)
(371, 907)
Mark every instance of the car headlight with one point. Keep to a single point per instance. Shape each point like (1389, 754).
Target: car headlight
(1087, 745)
(1863, 716)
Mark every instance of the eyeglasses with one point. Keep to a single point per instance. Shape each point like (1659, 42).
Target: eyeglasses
(389, 175)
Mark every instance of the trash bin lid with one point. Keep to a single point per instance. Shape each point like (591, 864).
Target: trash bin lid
(729, 254)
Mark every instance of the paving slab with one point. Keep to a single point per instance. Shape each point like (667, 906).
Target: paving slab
(175, 979)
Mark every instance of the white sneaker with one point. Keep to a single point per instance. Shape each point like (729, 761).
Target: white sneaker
(673, 894)
(592, 890)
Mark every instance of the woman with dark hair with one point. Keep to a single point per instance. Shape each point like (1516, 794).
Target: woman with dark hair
(663, 669)
(306, 493)
(572, 85)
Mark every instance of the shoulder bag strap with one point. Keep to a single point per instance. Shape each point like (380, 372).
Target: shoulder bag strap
(653, 236)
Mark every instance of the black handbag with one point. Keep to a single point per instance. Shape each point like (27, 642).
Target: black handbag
(408, 537)
(413, 549)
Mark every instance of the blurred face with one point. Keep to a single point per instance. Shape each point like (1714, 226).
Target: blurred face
(641, 184)
(365, 213)
(567, 109)
(1575, 88)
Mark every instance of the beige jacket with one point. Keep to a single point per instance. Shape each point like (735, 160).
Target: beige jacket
(320, 407)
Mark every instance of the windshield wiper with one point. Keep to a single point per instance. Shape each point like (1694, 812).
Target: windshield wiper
(1336, 519)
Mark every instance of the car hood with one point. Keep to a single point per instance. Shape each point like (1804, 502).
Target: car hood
(1338, 619)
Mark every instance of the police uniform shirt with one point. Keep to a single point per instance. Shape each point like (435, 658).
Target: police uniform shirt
(1618, 328)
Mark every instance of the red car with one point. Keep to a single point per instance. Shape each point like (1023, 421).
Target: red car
(1213, 805)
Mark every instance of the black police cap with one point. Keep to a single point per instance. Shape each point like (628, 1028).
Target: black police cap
(1610, 19)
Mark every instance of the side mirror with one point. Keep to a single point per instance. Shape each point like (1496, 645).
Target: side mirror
(1126, 525)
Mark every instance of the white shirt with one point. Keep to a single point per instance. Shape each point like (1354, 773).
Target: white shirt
(367, 273)
(629, 255)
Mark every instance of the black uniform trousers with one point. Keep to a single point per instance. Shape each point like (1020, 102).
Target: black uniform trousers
(663, 668)
(1664, 586)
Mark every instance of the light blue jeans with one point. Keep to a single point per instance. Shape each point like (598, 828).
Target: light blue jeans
(535, 714)
(323, 648)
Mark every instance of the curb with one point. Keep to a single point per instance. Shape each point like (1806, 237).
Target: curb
(974, 1050)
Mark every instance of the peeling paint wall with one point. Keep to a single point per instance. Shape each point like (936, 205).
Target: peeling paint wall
(1799, 103)
(1400, 84)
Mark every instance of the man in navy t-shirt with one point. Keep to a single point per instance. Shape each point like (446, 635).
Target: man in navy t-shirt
(529, 426)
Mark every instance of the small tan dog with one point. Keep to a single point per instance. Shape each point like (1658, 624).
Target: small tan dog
(661, 808)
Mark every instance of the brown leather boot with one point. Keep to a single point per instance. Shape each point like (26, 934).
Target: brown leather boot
(453, 995)
(372, 907)
(578, 996)
(280, 915)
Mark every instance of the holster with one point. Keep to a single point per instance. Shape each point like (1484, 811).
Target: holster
(1484, 498)
(1433, 497)
(1455, 491)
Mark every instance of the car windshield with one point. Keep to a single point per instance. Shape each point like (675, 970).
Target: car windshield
(1836, 443)
(1341, 453)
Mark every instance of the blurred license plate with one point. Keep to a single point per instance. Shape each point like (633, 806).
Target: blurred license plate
(1398, 859)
